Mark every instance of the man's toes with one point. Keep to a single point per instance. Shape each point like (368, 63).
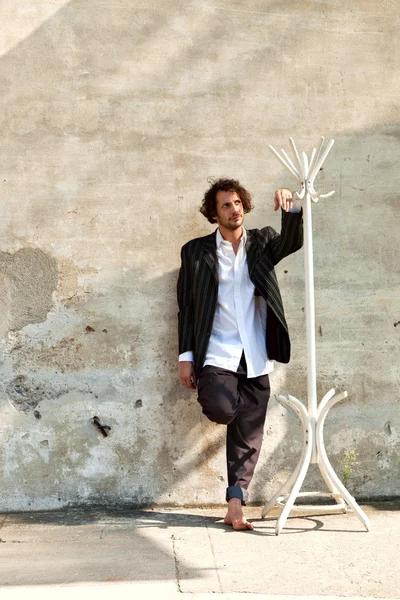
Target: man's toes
(241, 524)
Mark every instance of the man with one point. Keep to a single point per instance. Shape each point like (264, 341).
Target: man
(232, 324)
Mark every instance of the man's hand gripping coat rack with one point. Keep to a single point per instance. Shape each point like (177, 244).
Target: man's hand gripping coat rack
(312, 419)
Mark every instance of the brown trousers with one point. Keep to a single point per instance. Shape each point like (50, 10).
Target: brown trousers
(232, 399)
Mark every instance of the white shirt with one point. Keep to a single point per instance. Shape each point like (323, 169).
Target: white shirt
(240, 316)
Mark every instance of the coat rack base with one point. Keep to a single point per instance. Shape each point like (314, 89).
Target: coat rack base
(313, 453)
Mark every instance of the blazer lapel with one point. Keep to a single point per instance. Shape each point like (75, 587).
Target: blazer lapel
(210, 254)
(251, 250)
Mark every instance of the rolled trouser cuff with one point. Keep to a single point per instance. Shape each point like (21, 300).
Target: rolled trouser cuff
(234, 491)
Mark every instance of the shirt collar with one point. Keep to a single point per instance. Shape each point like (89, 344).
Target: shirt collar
(220, 239)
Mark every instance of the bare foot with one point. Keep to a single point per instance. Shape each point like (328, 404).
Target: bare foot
(235, 516)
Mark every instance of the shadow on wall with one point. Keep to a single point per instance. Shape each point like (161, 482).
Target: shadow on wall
(193, 449)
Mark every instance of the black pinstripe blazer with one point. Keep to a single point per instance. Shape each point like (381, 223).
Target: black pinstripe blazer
(198, 286)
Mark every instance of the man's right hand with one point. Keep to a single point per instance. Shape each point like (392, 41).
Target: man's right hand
(187, 375)
(283, 199)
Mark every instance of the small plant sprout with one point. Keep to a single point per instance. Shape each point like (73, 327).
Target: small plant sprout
(349, 462)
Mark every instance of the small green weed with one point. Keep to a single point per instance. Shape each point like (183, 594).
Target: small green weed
(348, 463)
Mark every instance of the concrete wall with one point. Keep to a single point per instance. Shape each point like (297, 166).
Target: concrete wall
(113, 115)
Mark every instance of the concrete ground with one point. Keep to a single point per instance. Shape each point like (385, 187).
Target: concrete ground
(190, 554)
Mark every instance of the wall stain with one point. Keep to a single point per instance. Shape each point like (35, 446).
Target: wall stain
(388, 428)
(80, 350)
(28, 279)
(25, 394)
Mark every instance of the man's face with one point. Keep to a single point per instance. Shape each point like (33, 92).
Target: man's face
(229, 210)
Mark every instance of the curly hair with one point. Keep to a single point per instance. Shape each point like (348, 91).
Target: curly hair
(208, 206)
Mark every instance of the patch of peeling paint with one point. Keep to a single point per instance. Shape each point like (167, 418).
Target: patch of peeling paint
(28, 279)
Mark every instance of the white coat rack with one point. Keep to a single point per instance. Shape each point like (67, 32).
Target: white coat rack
(314, 417)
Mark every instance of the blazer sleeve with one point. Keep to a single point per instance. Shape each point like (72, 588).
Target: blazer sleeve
(185, 314)
(289, 240)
